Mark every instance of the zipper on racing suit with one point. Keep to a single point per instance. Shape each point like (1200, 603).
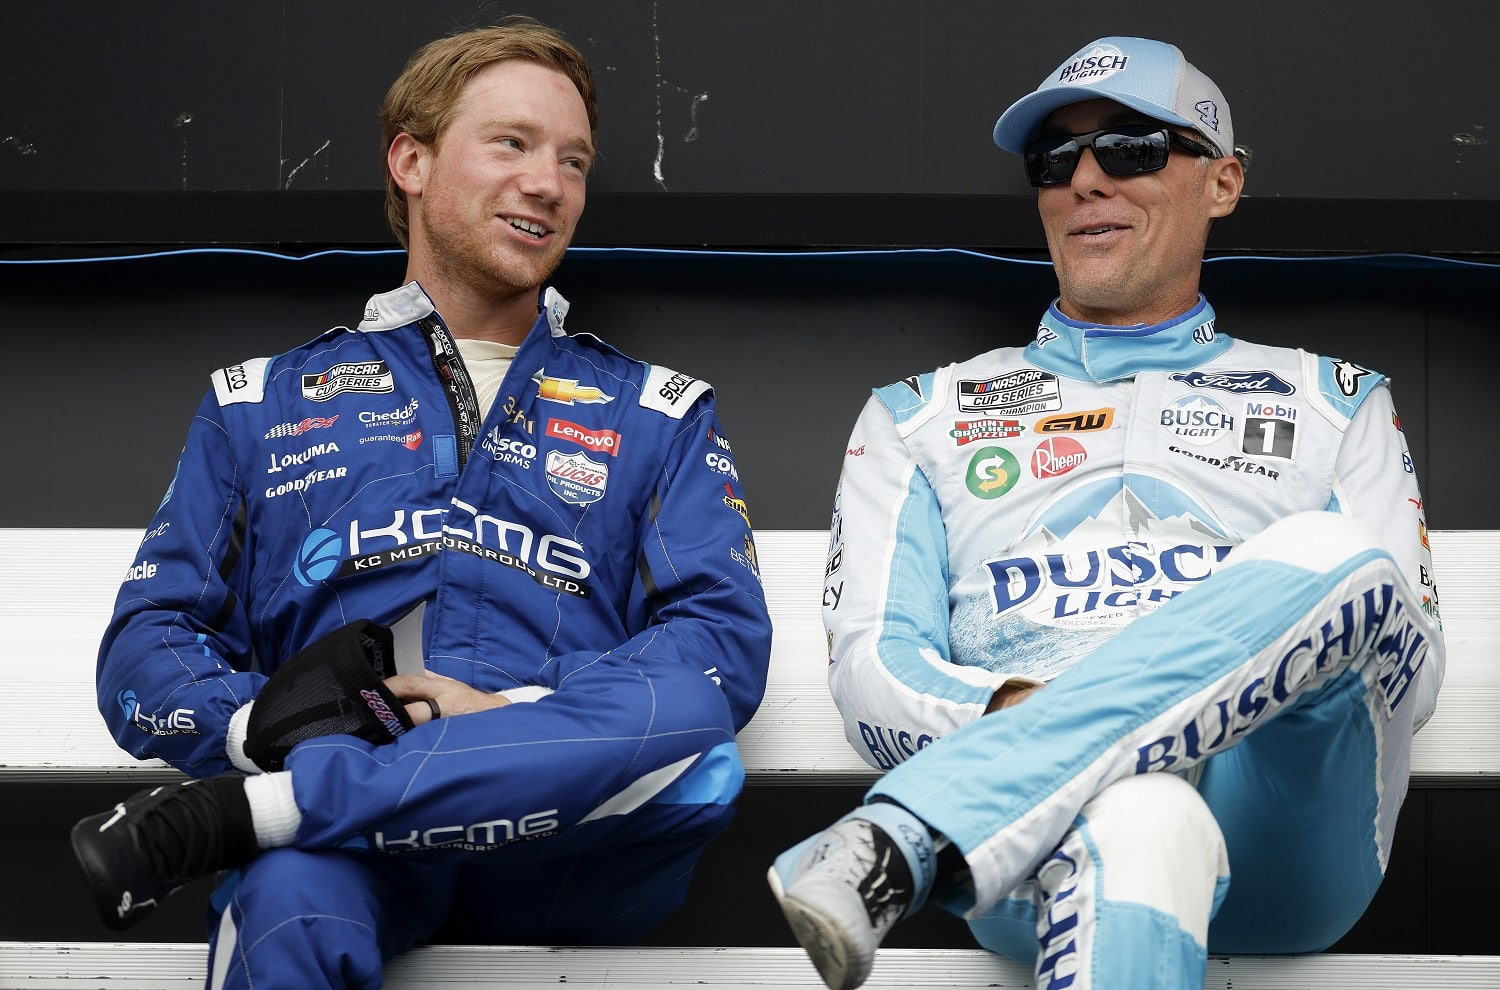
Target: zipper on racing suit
(463, 401)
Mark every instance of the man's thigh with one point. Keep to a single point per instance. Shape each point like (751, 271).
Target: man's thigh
(1300, 804)
(614, 892)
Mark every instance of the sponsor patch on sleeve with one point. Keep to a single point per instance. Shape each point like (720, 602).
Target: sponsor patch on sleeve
(671, 392)
(241, 382)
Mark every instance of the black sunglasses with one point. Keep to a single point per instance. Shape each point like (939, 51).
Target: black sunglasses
(1129, 149)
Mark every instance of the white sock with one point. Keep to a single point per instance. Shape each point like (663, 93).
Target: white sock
(273, 808)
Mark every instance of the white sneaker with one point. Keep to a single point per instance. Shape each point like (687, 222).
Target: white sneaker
(843, 889)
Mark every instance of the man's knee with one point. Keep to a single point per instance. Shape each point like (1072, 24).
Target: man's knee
(1318, 541)
(1158, 845)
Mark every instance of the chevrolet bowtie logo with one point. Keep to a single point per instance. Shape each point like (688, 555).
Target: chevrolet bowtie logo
(567, 390)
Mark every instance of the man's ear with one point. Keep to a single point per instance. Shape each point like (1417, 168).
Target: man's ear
(407, 160)
(1224, 182)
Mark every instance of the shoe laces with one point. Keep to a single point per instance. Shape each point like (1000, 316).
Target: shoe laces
(180, 831)
(875, 868)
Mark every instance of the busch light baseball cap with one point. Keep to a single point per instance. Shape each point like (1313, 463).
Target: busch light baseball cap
(1150, 76)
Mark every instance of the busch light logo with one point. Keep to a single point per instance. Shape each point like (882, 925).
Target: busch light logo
(1237, 381)
(1095, 65)
(1097, 588)
(1197, 419)
(319, 557)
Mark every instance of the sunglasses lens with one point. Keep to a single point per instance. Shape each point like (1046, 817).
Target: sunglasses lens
(1128, 150)
(1050, 165)
(1130, 154)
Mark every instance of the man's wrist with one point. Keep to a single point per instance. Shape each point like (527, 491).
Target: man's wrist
(1013, 692)
(234, 743)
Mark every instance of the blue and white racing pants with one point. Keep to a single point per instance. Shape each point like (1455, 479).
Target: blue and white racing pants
(1283, 686)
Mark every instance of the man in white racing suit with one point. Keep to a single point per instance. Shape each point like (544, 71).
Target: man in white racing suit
(1140, 617)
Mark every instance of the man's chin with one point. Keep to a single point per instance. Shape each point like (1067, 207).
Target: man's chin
(513, 276)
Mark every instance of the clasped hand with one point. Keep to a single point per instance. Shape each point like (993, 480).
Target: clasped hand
(452, 697)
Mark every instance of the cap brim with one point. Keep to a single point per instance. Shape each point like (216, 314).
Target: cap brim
(1020, 123)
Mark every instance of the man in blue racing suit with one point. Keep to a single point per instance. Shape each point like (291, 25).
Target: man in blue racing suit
(556, 534)
(1126, 607)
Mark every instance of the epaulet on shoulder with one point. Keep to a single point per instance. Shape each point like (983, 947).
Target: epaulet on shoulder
(669, 392)
(244, 382)
(1343, 385)
(906, 397)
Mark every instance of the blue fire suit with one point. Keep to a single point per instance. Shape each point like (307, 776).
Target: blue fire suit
(586, 544)
(1213, 554)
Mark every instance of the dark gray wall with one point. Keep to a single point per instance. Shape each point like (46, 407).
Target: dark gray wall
(841, 122)
(778, 96)
(116, 354)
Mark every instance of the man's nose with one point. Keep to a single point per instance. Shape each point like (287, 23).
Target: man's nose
(542, 177)
(1089, 176)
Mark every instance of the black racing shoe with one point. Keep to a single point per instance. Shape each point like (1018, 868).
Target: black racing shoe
(158, 840)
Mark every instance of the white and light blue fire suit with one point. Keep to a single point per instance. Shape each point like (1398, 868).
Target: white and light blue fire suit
(1214, 555)
(586, 543)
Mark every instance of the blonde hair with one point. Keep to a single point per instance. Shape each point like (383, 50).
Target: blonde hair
(422, 99)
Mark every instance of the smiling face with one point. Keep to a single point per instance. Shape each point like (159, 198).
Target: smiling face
(1129, 249)
(495, 200)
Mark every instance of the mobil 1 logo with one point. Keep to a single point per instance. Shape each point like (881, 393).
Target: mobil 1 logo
(1269, 429)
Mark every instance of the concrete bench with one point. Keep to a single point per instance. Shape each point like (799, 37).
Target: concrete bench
(169, 966)
(57, 587)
